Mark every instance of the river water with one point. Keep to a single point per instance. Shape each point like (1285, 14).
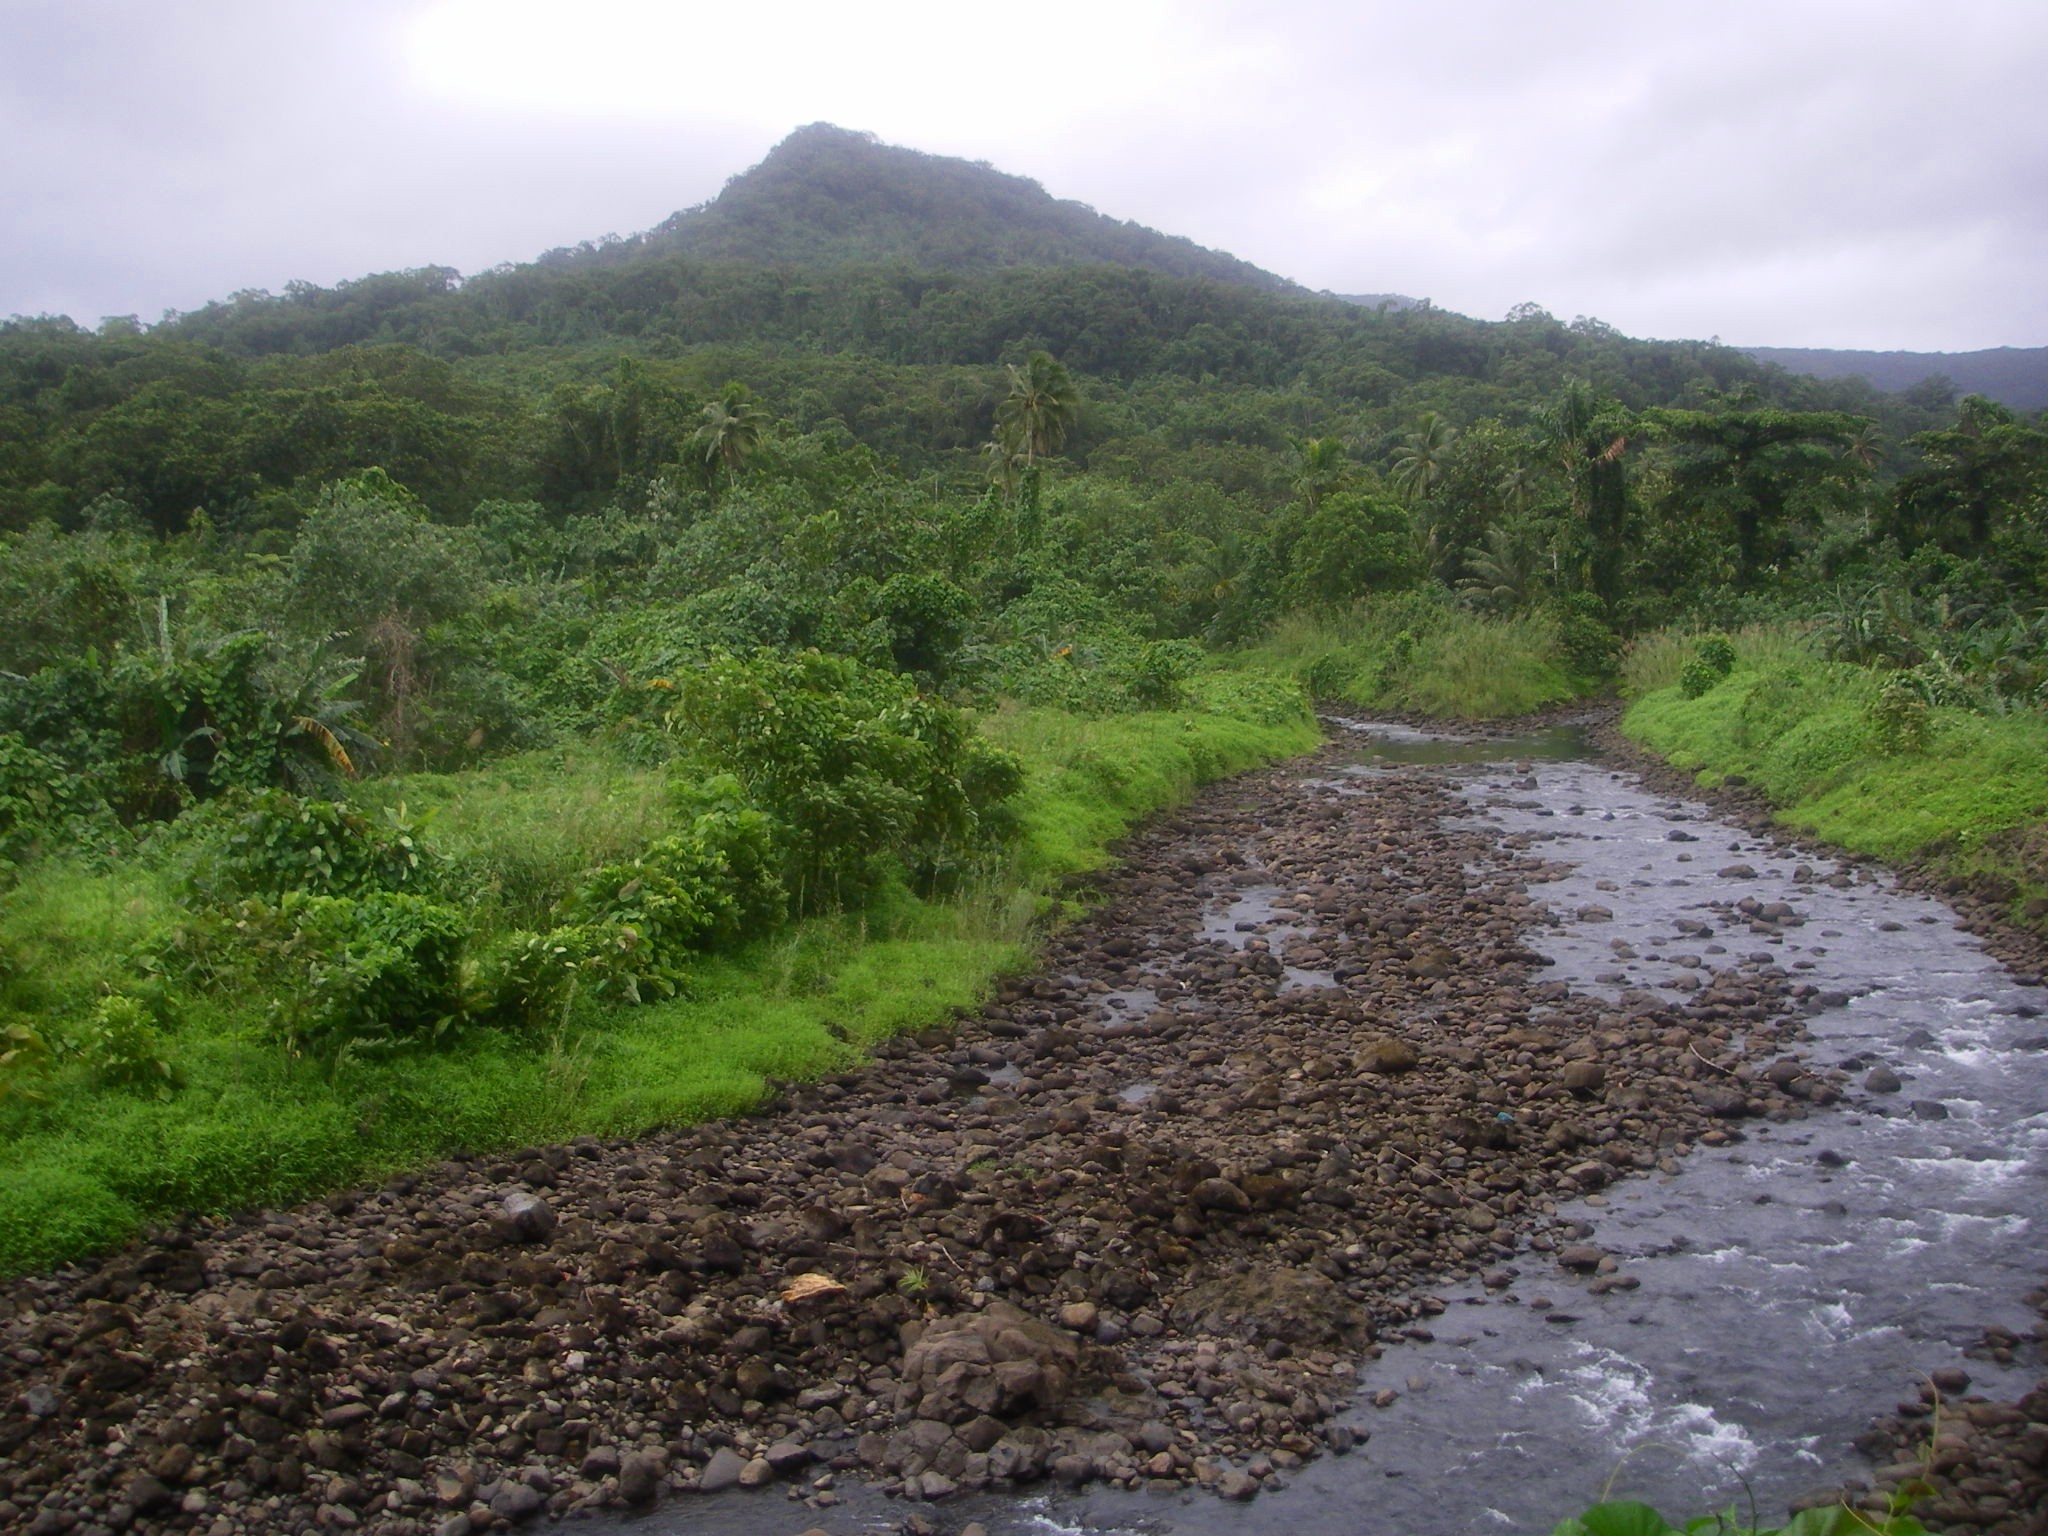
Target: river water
(1792, 1284)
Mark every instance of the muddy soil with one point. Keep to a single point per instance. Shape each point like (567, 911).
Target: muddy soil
(1136, 1222)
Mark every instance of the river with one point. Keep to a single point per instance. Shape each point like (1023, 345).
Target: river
(1789, 1285)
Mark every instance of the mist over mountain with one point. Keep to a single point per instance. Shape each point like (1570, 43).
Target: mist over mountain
(2014, 376)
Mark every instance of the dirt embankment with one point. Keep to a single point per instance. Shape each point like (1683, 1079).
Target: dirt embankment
(1136, 1221)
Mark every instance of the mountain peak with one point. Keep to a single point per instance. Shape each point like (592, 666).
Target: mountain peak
(832, 195)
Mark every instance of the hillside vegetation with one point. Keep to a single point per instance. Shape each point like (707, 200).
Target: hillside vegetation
(438, 703)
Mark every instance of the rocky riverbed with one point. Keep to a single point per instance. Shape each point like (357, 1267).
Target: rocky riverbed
(1136, 1223)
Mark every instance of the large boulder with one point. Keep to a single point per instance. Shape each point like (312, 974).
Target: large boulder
(1000, 1362)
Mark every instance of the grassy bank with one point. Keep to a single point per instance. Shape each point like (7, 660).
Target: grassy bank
(1426, 657)
(1862, 762)
(250, 1125)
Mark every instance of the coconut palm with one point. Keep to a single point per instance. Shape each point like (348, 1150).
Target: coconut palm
(1519, 486)
(732, 431)
(1035, 417)
(1507, 568)
(1420, 463)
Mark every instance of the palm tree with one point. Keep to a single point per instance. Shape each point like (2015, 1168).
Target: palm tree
(1588, 435)
(1420, 464)
(732, 430)
(1507, 569)
(1036, 415)
(1321, 467)
(1005, 464)
(1518, 487)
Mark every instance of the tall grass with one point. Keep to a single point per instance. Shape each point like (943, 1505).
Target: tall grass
(1654, 660)
(515, 834)
(1425, 655)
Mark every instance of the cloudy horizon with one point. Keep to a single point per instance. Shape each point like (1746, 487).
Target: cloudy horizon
(1815, 175)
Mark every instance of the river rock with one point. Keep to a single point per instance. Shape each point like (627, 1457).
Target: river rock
(517, 1503)
(1239, 1487)
(722, 1471)
(1386, 1055)
(640, 1478)
(525, 1218)
(1583, 1076)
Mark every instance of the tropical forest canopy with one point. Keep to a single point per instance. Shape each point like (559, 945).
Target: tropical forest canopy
(915, 413)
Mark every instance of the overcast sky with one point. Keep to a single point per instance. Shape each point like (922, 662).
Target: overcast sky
(1799, 173)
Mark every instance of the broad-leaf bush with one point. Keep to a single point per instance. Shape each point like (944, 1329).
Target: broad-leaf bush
(1626, 1518)
(343, 972)
(858, 768)
(276, 841)
(382, 968)
(125, 1047)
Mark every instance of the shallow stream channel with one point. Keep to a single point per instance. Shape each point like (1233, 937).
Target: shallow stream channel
(1767, 1299)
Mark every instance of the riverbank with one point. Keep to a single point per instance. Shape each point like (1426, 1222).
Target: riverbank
(1958, 798)
(1137, 1221)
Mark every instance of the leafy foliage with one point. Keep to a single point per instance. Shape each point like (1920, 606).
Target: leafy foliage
(377, 970)
(854, 764)
(1623, 1518)
(276, 842)
(124, 1047)
(1713, 660)
(24, 1057)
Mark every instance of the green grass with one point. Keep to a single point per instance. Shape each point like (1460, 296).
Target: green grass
(88, 1165)
(517, 832)
(1428, 658)
(1654, 660)
(1972, 800)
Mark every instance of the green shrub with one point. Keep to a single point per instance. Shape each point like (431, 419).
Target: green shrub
(727, 839)
(628, 927)
(24, 1059)
(528, 978)
(858, 769)
(1622, 1518)
(1697, 678)
(379, 969)
(1585, 640)
(125, 1049)
(43, 804)
(1899, 720)
(524, 978)
(1155, 673)
(275, 842)
(1713, 660)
